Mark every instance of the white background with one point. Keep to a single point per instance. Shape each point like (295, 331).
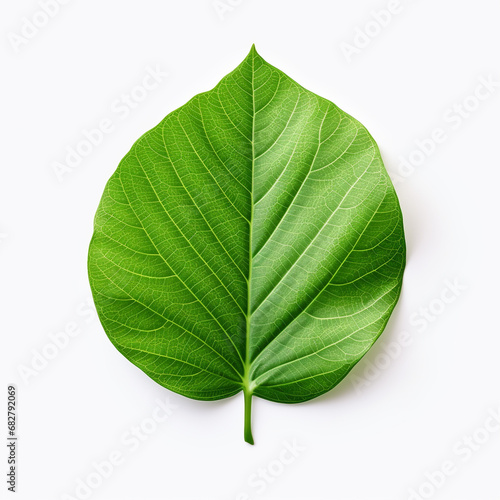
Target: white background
(371, 440)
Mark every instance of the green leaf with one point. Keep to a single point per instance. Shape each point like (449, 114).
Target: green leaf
(252, 241)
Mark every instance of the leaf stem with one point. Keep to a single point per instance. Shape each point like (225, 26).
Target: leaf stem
(248, 416)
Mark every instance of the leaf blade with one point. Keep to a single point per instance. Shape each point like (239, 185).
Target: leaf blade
(251, 241)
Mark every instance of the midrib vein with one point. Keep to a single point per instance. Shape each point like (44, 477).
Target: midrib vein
(246, 380)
